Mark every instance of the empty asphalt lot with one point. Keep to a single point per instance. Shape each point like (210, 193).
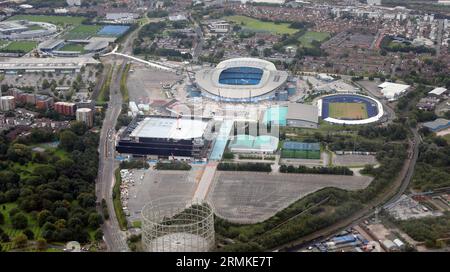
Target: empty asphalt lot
(247, 197)
(159, 184)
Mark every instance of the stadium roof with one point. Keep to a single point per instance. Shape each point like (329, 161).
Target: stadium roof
(50, 44)
(271, 79)
(170, 128)
(305, 112)
(95, 45)
(301, 146)
(438, 91)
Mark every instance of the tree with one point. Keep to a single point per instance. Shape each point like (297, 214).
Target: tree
(19, 221)
(20, 241)
(2, 219)
(98, 235)
(41, 244)
(19, 153)
(29, 234)
(43, 217)
(79, 128)
(86, 200)
(95, 220)
(61, 212)
(45, 84)
(67, 140)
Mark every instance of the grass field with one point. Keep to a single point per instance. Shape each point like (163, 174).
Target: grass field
(59, 20)
(310, 36)
(20, 46)
(260, 26)
(301, 154)
(348, 111)
(72, 47)
(82, 32)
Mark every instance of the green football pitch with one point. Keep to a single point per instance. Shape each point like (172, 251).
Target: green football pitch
(348, 111)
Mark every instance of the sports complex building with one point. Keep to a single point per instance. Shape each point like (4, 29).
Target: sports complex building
(166, 137)
(253, 144)
(24, 30)
(243, 80)
(349, 109)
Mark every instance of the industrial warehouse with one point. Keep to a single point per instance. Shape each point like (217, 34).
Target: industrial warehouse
(166, 137)
(243, 80)
(32, 65)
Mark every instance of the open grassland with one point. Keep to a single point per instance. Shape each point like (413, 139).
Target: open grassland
(349, 111)
(20, 46)
(82, 32)
(260, 26)
(307, 38)
(58, 20)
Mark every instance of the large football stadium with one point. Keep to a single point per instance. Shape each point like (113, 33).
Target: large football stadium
(349, 109)
(242, 80)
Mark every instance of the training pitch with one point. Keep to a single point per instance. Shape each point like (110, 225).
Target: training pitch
(260, 26)
(348, 111)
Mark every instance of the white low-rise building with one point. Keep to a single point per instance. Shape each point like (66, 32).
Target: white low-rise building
(391, 91)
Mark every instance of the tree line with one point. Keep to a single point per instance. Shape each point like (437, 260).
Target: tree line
(301, 169)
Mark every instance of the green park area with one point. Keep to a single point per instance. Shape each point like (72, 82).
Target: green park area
(19, 47)
(82, 32)
(256, 25)
(310, 36)
(53, 19)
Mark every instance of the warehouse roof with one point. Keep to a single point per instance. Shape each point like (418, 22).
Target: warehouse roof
(45, 63)
(390, 90)
(170, 128)
(305, 112)
(438, 91)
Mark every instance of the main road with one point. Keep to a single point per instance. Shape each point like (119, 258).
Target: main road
(114, 237)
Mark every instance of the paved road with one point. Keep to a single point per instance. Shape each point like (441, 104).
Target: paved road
(440, 31)
(199, 45)
(115, 239)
